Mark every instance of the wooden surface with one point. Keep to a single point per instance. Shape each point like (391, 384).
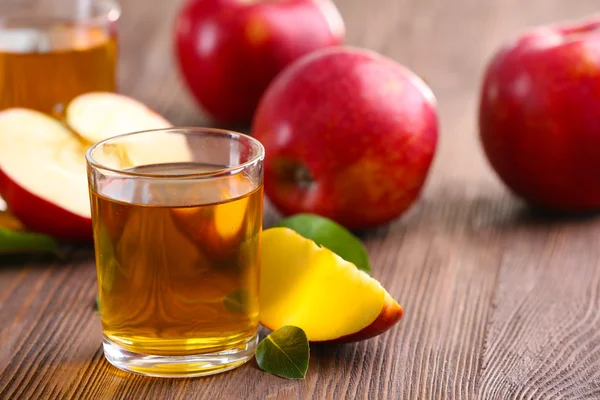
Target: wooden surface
(499, 303)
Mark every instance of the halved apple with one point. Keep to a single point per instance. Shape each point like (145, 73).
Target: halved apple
(42, 174)
(42, 162)
(311, 287)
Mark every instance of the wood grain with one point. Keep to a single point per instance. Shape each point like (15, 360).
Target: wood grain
(500, 303)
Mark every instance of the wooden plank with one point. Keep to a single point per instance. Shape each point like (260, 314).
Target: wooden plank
(544, 335)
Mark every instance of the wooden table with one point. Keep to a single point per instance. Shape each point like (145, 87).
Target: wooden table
(499, 303)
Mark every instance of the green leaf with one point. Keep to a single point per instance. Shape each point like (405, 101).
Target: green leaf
(285, 353)
(26, 242)
(330, 234)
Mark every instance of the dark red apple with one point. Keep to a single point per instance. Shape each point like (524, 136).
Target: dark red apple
(349, 135)
(539, 116)
(229, 50)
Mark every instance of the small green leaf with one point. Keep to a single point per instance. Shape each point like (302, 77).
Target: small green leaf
(26, 242)
(330, 234)
(285, 353)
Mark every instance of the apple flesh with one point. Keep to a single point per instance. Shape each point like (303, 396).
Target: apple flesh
(96, 116)
(308, 286)
(228, 51)
(539, 116)
(349, 135)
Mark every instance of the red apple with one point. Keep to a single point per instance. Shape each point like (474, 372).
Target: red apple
(539, 116)
(229, 50)
(349, 135)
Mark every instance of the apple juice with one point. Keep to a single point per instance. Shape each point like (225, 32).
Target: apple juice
(45, 65)
(178, 275)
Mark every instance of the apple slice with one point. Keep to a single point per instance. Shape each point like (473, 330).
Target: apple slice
(96, 116)
(43, 174)
(308, 286)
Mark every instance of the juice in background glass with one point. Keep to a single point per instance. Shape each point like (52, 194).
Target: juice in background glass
(53, 50)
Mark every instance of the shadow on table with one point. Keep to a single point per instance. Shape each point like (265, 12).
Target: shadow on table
(67, 254)
(451, 209)
(329, 351)
(525, 214)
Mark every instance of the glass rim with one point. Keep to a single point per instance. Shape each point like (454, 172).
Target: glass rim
(110, 11)
(226, 171)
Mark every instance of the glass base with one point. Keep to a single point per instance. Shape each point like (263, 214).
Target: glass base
(179, 366)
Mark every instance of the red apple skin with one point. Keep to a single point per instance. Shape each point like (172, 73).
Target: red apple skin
(349, 135)
(229, 50)
(390, 314)
(539, 116)
(41, 216)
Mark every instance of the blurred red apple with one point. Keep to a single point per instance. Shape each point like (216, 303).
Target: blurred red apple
(349, 135)
(229, 50)
(539, 116)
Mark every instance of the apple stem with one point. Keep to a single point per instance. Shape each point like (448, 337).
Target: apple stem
(302, 176)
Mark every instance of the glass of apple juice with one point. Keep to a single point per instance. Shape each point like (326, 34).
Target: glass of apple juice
(54, 50)
(177, 218)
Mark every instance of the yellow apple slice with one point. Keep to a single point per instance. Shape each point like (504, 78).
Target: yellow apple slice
(43, 175)
(308, 286)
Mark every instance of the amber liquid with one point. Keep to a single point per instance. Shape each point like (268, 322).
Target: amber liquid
(45, 65)
(178, 280)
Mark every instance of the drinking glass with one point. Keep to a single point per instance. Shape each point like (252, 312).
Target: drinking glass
(177, 218)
